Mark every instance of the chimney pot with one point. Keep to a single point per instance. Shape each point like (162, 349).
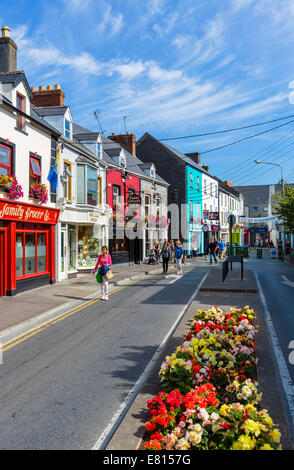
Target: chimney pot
(41, 88)
(33, 89)
(49, 87)
(5, 31)
(57, 87)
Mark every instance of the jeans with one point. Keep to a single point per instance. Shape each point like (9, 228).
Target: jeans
(165, 264)
(179, 264)
(212, 254)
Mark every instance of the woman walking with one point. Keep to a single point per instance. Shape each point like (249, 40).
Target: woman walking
(166, 256)
(179, 254)
(103, 263)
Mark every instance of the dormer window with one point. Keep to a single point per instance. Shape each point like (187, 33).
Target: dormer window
(67, 130)
(99, 150)
(122, 161)
(152, 172)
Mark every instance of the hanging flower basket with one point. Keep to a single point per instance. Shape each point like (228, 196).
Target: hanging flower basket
(39, 191)
(9, 185)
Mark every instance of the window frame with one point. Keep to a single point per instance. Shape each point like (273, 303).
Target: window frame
(3, 165)
(67, 130)
(33, 179)
(33, 232)
(68, 182)
(20, 119)
(85, 202)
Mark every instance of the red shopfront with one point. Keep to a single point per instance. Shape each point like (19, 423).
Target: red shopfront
(27, 246)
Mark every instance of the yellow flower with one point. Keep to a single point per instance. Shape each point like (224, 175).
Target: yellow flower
(252, 427)
(223, 410)
(244, 443)
(275, 435)
(266, 447)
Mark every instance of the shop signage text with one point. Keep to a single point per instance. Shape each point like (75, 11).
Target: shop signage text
(27, 213)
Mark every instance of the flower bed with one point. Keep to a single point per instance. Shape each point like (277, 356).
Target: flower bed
(210, 399)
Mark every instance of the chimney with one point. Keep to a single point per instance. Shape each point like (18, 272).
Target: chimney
(195, 156)
(205, 167)
(46, 98)
(8, 48)
(228, 183)
(128, 140)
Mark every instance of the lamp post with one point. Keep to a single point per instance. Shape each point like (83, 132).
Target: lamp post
(282, 183)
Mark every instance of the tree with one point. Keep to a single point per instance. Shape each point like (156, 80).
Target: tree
(285, 207)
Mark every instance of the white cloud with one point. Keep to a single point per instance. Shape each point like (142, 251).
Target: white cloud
(168, 24)
(75, 5)
(111, 23)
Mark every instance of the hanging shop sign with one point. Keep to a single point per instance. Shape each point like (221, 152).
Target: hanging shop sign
(205, 214)
(256, 220)
(214, 228)
(205, 228)
(214, 215)
(27, 213)
(134, 200)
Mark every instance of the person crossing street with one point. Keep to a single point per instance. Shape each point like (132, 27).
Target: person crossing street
(212, 249)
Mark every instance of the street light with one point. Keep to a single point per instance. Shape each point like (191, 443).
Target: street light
(282, 183)
(275, 164)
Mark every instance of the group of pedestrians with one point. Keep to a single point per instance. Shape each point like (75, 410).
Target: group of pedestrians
(169, 252)
(216, 248)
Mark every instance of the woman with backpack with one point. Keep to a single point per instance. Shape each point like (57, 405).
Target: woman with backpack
(103, 263)
(166, 256)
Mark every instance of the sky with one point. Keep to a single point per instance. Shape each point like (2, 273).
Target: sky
(174, 68)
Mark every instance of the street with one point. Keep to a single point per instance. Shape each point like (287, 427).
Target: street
(61, 386)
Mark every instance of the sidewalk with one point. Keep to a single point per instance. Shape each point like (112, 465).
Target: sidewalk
(129, 434)
(66, 294)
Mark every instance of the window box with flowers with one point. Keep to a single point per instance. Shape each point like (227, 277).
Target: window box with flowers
(9, 187)
(39, 192)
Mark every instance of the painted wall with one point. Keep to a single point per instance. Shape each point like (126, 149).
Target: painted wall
(194, 229)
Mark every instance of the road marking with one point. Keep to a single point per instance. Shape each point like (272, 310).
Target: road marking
(279, 359)
(37, 329)
(117, 418)
(287, 281)
(175, 280)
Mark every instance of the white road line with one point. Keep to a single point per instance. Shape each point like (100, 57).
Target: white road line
(287, 281)
(278, 354)
(117, 418)
(175, 280)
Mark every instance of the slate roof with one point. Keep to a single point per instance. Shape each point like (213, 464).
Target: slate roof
(52, 110)
(15, 78)
(185, 158)
(255, 194)
(112, 149)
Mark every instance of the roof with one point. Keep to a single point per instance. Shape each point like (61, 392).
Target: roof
(35, 114)
(256, 194)
(16, 78)
(113, 149)
(227, 188)
(52, 110)
(185, 158)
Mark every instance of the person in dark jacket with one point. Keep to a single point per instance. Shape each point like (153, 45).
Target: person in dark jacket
(212, 249)
(166, 256)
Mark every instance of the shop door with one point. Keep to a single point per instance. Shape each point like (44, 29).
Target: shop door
(2, 269)
(63, 255)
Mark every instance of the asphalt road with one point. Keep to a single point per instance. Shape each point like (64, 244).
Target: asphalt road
(60, 388)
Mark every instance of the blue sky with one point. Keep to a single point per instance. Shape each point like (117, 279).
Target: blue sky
(173, 67)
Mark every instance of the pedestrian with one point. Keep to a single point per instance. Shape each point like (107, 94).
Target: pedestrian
(152, 257)
(166, 256)
(172, 247)
(179, 254)
(211, 249)
(103, 263)
(221, 249)
(156, 247)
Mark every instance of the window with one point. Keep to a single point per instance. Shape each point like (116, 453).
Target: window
(147, 206)
(204, 183)
(191, 180)
(53, 160)
(100, 198)
(67, 180)
(198, 183)
(152, 172)
(255, 209)
(265, 209)
(35, 169)
(87, 183)
(211, 189)
(116, 192)
(191, 210)
(99, 150)
(216, 191)
(31, 253)
(67, 132)
(5, 160)
(20, 105)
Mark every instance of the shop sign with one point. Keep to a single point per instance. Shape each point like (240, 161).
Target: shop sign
(213, 215)
(205, 228)
(214, 228)
(205, 214)
(134, 200)
(27, 213)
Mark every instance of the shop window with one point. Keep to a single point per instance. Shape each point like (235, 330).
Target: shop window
(91, 186)
(5, 160)
(100, 194)
(116, 192)
(20, 105)
(198, 183)
(89, 245)
(191, 180)
(31, 253)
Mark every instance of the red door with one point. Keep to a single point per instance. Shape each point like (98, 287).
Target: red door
(1, 263)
